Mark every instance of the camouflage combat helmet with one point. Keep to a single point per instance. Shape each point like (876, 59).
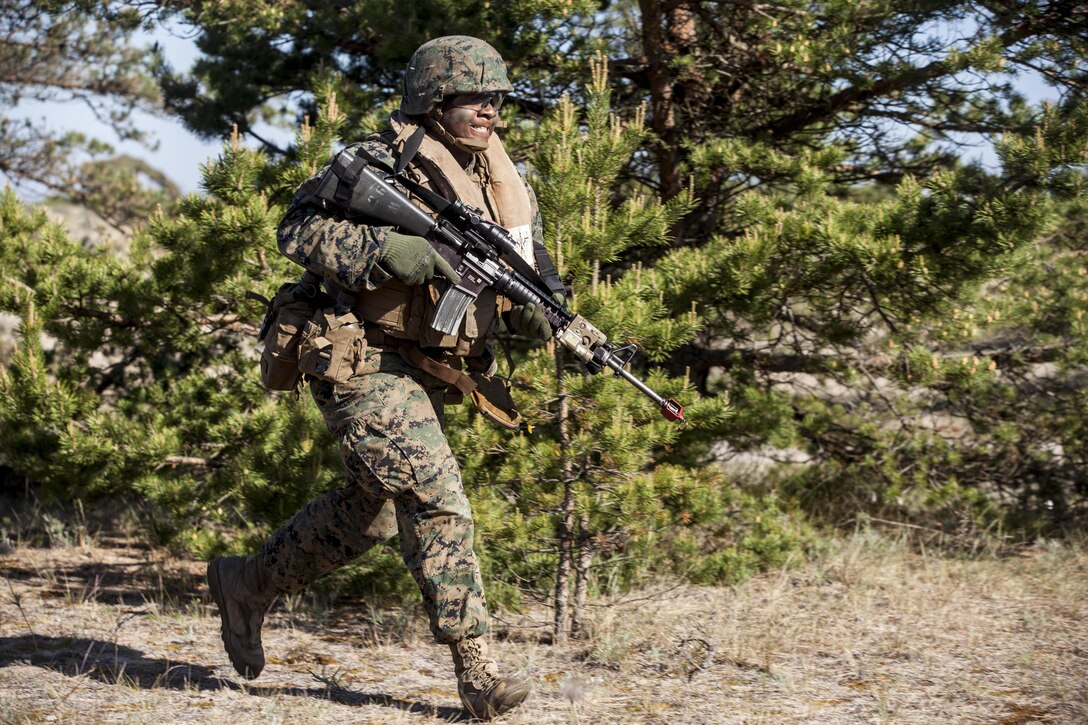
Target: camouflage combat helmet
(448, 66)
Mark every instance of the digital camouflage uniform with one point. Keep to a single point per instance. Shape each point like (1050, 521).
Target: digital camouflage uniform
(401, 476)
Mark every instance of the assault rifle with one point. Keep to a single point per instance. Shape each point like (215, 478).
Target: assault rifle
(477, 249)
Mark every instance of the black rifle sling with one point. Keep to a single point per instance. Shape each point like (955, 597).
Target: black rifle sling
(435, 201)
(411, 147)
(548, 273)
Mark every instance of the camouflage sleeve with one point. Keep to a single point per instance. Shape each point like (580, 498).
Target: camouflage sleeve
(340, 250)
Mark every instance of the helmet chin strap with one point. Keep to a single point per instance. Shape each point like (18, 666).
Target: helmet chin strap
(468, 145)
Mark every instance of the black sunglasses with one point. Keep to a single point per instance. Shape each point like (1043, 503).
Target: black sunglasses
(478, 100)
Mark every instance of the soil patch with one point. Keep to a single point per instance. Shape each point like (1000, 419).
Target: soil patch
(874, 632)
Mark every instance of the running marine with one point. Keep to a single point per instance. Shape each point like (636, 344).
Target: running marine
(400, 475)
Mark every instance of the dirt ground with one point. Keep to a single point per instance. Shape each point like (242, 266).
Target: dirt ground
(875, 631)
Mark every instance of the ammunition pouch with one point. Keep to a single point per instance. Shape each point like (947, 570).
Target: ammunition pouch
(332, 345)
(306, 333)
(285, 319)
(403, 313)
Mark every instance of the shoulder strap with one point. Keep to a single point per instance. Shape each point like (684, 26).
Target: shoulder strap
(404, 146)
(490, 395)
(409, 151)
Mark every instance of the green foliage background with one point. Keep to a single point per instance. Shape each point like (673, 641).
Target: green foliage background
(769, 202)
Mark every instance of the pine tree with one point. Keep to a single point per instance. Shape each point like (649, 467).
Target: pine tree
(66, 52)
(838, 229)
(152, 386)
(907, 326)
(834, 218)
(258, 58)
(590, 474)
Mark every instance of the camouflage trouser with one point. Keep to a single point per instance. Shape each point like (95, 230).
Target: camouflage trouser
(401, 476)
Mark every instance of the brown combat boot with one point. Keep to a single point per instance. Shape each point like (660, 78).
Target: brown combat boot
(484, 693)
(243, 592)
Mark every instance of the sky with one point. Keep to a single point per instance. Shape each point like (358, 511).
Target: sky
(176, 151)
(179, 153)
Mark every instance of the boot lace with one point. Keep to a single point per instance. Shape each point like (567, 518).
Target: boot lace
(480, 672)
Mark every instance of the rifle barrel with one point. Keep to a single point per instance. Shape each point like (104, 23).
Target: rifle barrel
(670, 408)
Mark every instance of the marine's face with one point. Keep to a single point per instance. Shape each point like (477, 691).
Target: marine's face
(472, 115)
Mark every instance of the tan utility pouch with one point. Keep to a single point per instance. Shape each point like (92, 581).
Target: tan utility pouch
(332, 346)
(283, 334)
(490, 395)
(492, 398)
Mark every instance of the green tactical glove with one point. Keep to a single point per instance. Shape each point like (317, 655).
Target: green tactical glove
(413, 260)
(529, 320)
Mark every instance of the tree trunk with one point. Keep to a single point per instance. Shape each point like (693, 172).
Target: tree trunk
(581, 578)
(566, 515)
(662, 115)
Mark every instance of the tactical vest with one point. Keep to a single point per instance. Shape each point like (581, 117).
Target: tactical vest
(497, 189)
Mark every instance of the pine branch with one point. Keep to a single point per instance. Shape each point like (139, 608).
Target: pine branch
(855, 97)
(110, 318)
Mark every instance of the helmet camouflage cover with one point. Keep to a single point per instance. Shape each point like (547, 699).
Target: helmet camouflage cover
(449, 66)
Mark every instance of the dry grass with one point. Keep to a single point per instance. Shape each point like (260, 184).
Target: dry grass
(872, 632)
